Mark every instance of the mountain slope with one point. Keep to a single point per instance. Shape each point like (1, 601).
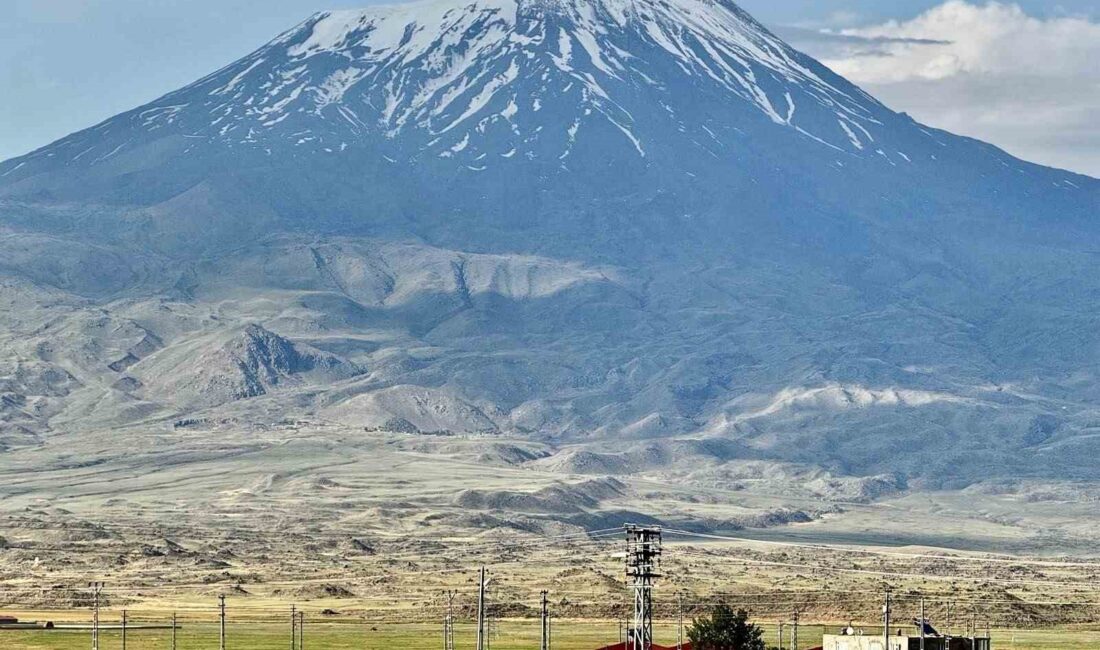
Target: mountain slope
(425, 119)
(649, 234)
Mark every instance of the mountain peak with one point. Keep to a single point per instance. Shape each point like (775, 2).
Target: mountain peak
(688, 107)
(605, 39)
(499, 81)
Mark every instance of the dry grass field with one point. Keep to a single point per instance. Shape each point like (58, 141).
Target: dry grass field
(510, 635)
(375, 529)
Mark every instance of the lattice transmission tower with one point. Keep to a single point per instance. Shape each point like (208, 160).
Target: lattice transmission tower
(643, 561)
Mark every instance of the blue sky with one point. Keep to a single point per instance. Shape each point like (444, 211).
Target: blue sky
(68, 64)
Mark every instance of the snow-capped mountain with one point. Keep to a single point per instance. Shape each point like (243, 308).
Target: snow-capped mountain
(675, 112)
(572, 220)
(484, 82)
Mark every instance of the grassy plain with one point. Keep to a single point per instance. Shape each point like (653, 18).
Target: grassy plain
(377, 528)
(510, 635)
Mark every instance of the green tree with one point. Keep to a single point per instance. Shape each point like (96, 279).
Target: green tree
(724, 629)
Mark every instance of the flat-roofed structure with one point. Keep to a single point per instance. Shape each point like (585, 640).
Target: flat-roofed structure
(902, 642)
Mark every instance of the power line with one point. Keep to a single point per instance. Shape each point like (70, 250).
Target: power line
(284, 531)
(893, 574)
(897, 554)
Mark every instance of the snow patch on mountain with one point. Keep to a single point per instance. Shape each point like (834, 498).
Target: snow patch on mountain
(836, 397)
(411, 73)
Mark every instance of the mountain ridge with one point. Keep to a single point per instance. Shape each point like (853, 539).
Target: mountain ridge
(657, 241)
(293, 93)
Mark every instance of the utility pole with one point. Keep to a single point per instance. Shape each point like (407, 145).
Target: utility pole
(780, 635)
(449, 622)
(124, 629)
(221, 621)
(293, 627)
(173, 631)
(923, 623)
(794, 632)
(886, 623)
(643, 558)
(545, 622)
(680, 622)
(481, 610)
(301, 630)
(97, 587)
(947, 626)
(451, 616)
(490, 622)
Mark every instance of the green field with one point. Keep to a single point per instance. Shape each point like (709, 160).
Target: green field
(509, 635)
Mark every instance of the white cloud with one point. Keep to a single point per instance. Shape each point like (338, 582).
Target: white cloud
(1028, 84)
